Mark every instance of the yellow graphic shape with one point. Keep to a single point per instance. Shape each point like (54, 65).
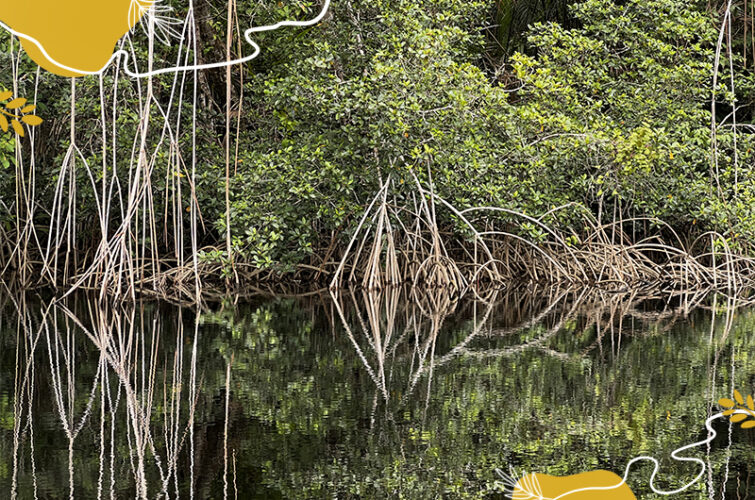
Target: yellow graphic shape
(550, 487)
(740, 409)
(79, 34)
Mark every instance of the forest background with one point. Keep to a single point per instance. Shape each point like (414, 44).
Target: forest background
(446, 141)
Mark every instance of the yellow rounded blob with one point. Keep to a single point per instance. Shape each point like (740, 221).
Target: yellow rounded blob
(554, 486)
(79, 34)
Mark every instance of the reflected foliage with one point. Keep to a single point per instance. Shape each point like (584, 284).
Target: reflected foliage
(391, 395)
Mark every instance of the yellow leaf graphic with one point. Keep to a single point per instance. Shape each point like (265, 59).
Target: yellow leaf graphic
(29, 108)
(16, 103)
(750, 403)
(17, 127)
(738, 397)
(728, 412)
(749, 424)
(4, 96)
(726, 403)
(31, 120)
(738, 417)
(3, 123)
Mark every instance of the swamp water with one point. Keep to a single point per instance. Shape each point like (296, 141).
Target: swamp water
(367, 395)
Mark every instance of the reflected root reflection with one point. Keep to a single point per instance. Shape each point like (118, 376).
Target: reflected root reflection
(136, 411)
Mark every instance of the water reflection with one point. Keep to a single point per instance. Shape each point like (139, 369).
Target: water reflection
(365, 394)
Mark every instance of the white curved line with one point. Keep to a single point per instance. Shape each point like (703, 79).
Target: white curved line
(674, 454)
(176, 69)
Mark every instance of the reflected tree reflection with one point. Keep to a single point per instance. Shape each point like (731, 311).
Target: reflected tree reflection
(362, 394)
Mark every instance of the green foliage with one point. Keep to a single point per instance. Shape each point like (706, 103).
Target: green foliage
(624, 103)
(613, 112)
(513, 18)
(621, 104)
(608, 112)
(380, 89)
(7, 176)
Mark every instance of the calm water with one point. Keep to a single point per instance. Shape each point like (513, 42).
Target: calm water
(365, 396)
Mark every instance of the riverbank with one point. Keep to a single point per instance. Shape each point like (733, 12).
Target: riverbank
(388, 250)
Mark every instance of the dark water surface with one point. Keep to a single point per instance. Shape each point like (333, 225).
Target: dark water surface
(391, 395)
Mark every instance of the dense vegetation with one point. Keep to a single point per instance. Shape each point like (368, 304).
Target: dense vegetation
(597, 111)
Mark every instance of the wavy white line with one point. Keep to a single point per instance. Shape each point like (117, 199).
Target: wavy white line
(176, 69)
(674, 454)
